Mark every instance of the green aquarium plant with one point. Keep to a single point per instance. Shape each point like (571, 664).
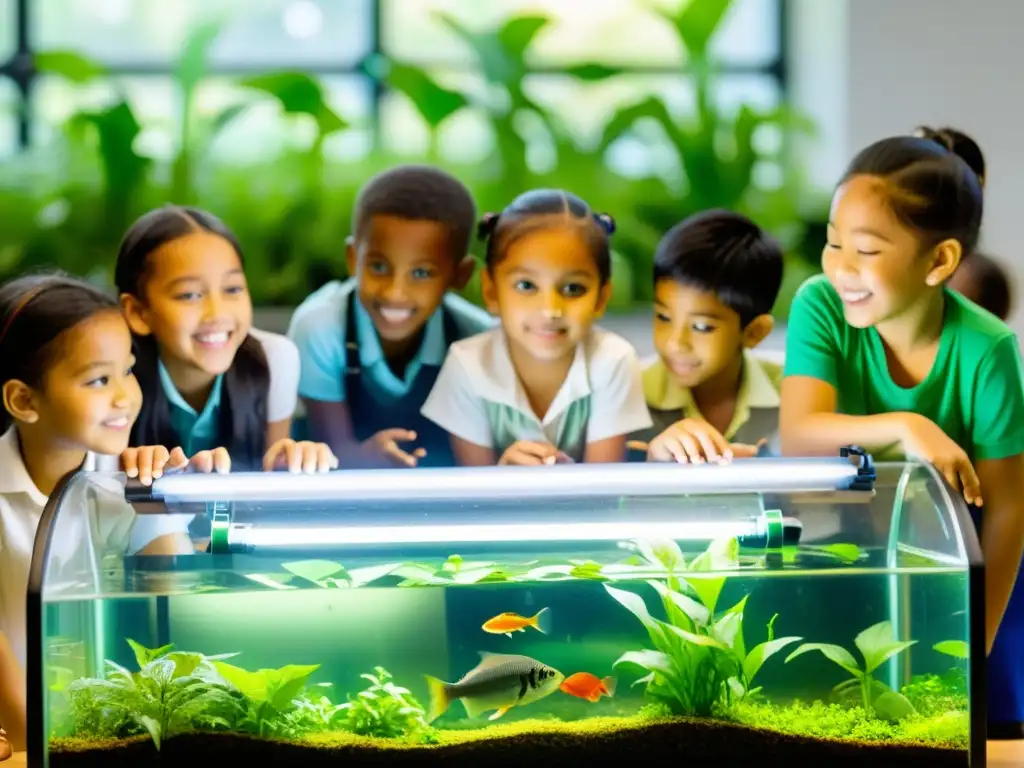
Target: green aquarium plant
(383, 709)
(877, 644)
(699, 664)
(270, 693)
(173, 692)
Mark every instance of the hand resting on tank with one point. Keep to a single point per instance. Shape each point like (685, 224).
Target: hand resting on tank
(302, 456)
(149, 462)
(695, 441)
(528, 453)
(5, 746)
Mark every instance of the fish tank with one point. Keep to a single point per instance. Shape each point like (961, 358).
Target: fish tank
(806, 612)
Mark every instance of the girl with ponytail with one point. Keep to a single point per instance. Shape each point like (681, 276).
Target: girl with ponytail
(208, 377)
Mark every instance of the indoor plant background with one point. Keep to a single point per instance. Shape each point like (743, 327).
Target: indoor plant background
(68, 203)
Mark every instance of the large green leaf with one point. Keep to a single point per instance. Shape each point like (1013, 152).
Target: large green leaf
(697, 22)
(299, 94)
(760, 653)
(195, 52)
(878, 643)
(69, 65)
(636, 605)
(693, 612)
(434, 102)
(834, 653)
(955, 648)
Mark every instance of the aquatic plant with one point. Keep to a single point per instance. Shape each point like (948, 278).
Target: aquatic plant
(958, 649)
(383, 709)
(173, 692)
(269, 693)
(877, 644)
(699, 664)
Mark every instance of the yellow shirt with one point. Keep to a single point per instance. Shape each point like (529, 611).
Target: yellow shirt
(757, 402)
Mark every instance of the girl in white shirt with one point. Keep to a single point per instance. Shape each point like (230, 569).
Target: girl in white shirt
(69, 398)
(547, 386)
(208, 377)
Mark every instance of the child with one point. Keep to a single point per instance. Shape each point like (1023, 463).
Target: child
(208, 377)
(546, 386)
(716, 278)
(371, 346)
(982, 279)
(881, 354)
(69, 400)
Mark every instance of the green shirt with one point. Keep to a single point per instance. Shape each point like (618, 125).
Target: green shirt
(974, 391)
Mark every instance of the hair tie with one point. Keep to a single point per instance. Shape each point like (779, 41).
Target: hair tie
(18, 309)
(486, 226)
(606, 221)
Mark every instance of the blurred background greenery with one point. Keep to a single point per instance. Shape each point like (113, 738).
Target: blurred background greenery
(272, 113)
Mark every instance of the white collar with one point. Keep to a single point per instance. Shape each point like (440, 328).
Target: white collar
(502, 384)
(14, 477)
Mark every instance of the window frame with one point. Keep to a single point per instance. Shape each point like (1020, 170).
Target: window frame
(19, 68)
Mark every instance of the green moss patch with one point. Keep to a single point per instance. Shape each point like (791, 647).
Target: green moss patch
(584, 743)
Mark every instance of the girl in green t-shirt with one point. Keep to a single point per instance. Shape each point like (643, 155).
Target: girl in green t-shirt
(880, 353)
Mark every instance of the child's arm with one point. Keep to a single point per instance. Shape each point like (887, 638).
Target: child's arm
(1002, 535)
(454, 405)
(617, 405)
(12, 697)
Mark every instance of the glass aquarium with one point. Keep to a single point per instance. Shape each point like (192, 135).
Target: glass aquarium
(824, 611)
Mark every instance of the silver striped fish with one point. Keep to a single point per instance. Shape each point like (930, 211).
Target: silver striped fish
(499, 682)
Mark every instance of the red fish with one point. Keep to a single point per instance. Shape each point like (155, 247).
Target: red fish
(584, 685)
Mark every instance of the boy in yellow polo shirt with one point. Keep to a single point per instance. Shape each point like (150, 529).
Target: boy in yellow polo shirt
(716, 278)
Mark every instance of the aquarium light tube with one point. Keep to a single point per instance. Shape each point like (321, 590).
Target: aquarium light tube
(506, 483)
(261, 536)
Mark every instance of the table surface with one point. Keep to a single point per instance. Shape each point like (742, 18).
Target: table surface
(1001, 754)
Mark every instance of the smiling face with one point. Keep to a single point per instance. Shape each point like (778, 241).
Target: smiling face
(196, 304)
(404, 267)
(547, 290)
(696, 335)
(89, 398)
(876, 264)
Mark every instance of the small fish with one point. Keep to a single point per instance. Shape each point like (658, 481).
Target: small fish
(507, 623)
(584, 685)
(500, 682)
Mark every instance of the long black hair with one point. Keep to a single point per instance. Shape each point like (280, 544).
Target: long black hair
(36, 312)
(243, 406)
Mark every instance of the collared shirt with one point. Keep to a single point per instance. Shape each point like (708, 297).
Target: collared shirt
(318, 330)
(478, 396)
(112, 524)
(200, 431)
(757, 401)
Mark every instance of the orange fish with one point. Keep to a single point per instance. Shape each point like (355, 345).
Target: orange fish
(507, 623)
(584, 685)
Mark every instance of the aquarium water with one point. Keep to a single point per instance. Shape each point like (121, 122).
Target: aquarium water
(826, 644)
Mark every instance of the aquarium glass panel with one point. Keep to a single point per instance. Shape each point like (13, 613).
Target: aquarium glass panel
(803, 611)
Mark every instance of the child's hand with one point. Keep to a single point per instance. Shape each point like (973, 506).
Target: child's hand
(303, 456)
(690, 441)
(6, 750)
(527, 453)
(384, 445)
(745, 450)
(925, 440)
(148, 462)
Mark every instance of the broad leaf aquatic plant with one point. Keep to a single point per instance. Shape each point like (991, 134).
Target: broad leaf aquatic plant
(173, 692)
(699, 664)
(269, 692)
(877, 644)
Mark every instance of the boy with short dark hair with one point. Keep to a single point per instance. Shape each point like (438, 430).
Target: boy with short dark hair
(371, 346)
(716, 278)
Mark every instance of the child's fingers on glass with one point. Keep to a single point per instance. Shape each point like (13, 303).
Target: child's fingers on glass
(221, 460)
(129, 462)
(969, 482)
